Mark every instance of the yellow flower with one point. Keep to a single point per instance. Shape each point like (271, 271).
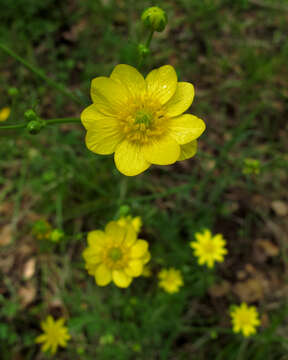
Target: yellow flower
(115, 255)
(4, 113)
(141, 119)
(170, 280)
(245, 319)
(55, 334)
(136, 222)
(208, 248)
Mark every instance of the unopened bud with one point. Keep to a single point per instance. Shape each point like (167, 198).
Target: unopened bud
(154, 18)
(35, 126)
(13, 91)
(30, 115)
(143, 50)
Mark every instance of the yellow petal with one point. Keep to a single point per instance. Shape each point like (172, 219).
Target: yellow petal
(41, 338)
(146, 258)
(135, 268)
(180, 101)
(108, 95)
(163, 151)
(96, 237)
(139, 248)
(130, 236)
(121, 279)
(130, 77)
(186, 128)
(5, 113)
(103, 133)
(103, 275)
(188, 150)
(162, 83)
(115, 231)
(129, 159)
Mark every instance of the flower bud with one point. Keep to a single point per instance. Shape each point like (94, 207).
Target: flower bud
(35, 126)
(154, 18)
(13, 91)
(30, 115)
(143, 50)
(56, 235)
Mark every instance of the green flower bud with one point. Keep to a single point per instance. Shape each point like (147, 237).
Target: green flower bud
(13, 91)
(35, 126)
(124, 210)
(56, 235)
(30, 115)
(143, 50)
(154, 18)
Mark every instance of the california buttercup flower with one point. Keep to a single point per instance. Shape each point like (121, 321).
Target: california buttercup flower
(208, 248)
(4, 113)
(245, 319)
(141, 120)
(55, 334)
(170, 280)
(115, 255)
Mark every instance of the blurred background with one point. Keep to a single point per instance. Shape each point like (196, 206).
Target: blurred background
(235, 53)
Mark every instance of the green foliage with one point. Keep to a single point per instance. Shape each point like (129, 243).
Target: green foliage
(236, 55)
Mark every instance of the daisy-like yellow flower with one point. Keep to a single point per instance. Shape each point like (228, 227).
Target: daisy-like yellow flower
(4, 113)
(209, 249)
(55, 334)
(245, 319)
(136, 222)
(170, 280)
(141, 120)
(115, 255)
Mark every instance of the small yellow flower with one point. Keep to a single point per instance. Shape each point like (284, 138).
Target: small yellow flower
(141, 120)
(4, 113)
(208, 248)
(170, 280)
(55, 334)
(136, 222)
(245, 319)
(115, 255)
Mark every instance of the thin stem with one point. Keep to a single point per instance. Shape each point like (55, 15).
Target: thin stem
(41, 74)
(147, 45)
(47, 122)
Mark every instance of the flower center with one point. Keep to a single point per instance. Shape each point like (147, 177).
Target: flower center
(209, 248)
(143, 117)
(115, 254)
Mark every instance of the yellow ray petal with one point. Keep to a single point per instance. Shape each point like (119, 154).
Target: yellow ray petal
(129, 159)
(108, 95)
(139, 248)
(103, 275)
(188, 150)
(162, 83)
(130, 77)
(121, 279)
(103, 139)
(135, 268)
(180, 101)
(163, 151)
(186, 128)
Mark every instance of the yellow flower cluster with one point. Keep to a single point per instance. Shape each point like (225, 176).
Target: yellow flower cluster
(55, 334)
(141, 120)
(116, 254)
(245, 319)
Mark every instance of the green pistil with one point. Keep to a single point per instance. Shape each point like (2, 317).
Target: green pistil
(143, 117)
(115, 254)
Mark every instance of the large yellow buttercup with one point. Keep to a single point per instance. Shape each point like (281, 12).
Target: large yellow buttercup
(141, 120)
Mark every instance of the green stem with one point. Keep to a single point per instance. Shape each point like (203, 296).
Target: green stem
(147, 45)
(41, 74)
(47, 122)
